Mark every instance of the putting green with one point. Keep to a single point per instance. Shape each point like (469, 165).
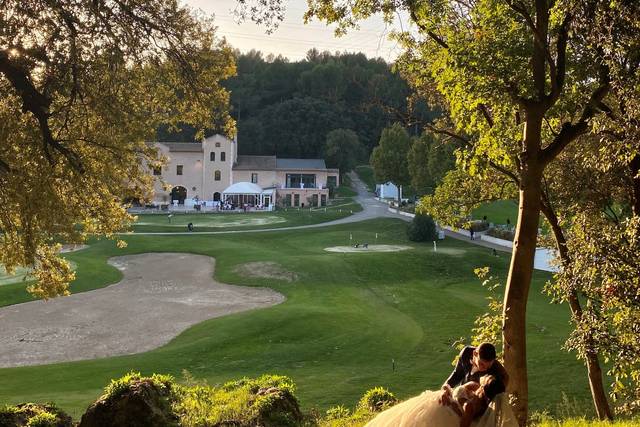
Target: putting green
(20, 274)
(370, 248)
(213, 220)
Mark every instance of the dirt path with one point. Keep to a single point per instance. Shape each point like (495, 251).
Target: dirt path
(161, 295)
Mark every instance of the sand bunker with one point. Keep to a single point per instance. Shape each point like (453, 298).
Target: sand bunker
(266, 270)
(371, 248)
(161, 295)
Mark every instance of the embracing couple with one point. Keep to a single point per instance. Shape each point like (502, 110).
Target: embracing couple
(473, 395)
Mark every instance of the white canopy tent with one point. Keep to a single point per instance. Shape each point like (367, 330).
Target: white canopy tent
(246, 193)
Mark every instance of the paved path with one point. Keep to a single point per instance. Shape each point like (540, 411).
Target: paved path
(371, 208)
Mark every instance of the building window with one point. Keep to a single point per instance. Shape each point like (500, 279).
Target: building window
(157, 171)
(254, 178)
(212, 156)
(222, 156)
(179, 170)
(332, 181)
(296, 200)
(217, 144)
(296, 180)
(216, 175)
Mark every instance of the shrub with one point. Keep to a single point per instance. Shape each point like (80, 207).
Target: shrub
(34, 415)
(422, 229)
(377, 399)
(479, 225)
(43, 419)
(338, 412)
(266, 401)
(501, 233)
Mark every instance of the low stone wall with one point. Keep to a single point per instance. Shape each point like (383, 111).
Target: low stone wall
(496, 241)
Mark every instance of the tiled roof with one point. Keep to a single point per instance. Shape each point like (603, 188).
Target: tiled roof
(300, 164)
(255, 163)
(193, 147)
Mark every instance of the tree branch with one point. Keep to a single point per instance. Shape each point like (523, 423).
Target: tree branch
(38, 105)
(558, 72)
(486, 113)
(430, 33)
(571, 131)
(448, 133)
(505, 171)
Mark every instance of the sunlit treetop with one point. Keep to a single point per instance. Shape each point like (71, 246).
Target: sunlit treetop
(83, 85)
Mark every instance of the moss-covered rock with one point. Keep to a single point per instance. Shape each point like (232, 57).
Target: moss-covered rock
(33, 415)
(133, 401)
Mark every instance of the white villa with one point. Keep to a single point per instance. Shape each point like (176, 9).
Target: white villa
(212, 174)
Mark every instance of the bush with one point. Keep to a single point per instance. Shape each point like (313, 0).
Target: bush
(267, 401)
(43, 419)
(422, 229)
(377, 399)
(479, 225)
(33, 415)
(501, 233)
(338, 412)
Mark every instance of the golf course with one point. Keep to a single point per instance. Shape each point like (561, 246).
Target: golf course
(347, 322)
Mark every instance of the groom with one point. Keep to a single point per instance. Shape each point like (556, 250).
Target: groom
(474, 363)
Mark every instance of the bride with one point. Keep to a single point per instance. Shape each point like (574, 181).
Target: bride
(467, 405)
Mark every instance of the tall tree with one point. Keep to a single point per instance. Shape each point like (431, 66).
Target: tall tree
(83, 85)
(418, 164)
(505, 77)
(389, 158)
(343, 150)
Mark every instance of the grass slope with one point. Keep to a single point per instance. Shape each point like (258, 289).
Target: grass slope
(344, 321)
(498, 212)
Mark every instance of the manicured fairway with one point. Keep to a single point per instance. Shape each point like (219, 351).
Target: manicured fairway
(498, 212)
(346, 318)
(223, 221)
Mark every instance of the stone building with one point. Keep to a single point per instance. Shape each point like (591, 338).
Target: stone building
(210, 172)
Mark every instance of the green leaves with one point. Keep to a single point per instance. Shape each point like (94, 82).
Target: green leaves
(389, 158)
(106, 78)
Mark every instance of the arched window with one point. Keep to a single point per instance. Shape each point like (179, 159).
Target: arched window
(216, 175)
(212, 156)
(222, 156)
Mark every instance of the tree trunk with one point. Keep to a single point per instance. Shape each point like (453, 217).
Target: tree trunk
(521, 268)
(635, 178)
(594, 373)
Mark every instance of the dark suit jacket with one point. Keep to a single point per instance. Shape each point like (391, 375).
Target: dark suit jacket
(462, 373)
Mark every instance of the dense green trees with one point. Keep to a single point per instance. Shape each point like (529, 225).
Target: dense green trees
(288, 108)
(343, 150)
(389, 158)
(429, 159)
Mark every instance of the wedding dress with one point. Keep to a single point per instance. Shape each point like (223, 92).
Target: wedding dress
(425, 411)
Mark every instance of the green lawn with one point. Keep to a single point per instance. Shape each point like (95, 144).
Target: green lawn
(498, 212)
(345, 320)
(227, 221)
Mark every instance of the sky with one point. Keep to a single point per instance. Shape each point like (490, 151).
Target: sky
(293, 38)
